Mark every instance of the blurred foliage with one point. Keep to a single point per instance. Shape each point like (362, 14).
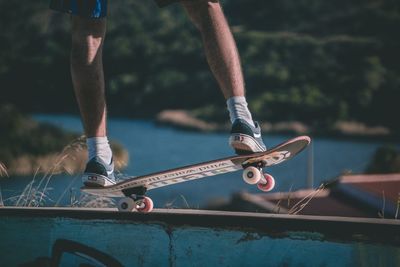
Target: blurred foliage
(385, 160)
(21, 135)
(308, 60)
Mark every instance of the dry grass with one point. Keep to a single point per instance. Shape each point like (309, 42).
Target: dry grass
(72, 157)
(1, 199)
(299, 206)
(171, 204)
(91, 201)
(36, 193)
(3, 170)
(381, 213)
(70, 160)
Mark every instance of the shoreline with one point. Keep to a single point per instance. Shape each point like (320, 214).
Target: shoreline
(186, 120)
(344, 130)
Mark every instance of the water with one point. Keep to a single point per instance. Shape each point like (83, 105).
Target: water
(153, 148)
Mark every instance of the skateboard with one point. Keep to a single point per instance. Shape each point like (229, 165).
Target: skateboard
(133, 189)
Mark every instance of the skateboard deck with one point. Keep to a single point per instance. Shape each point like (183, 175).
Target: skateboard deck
(252, 164)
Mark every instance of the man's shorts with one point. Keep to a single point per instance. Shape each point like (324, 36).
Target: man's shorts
(90, 8)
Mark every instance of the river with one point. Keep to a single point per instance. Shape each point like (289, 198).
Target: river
(155, 148)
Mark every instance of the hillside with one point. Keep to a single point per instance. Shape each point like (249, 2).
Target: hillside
(315, 62)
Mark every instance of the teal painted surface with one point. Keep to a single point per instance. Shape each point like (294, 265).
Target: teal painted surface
(29, 240)
(25, 240)
(235, 248)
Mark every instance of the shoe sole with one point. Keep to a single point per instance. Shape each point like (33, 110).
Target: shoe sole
(244, 144)
(96, 180)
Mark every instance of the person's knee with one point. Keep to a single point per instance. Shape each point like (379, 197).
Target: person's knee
(87, 40)
(201, 11)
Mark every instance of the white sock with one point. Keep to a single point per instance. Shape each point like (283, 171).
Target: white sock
(99, 146)
(237, 106)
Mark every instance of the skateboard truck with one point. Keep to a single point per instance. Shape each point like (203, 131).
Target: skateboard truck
(135, 199)
(253, 174)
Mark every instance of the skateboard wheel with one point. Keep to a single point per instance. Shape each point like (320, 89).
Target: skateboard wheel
(145, 206)
(126, 204)
(269, 183)
(251, 175)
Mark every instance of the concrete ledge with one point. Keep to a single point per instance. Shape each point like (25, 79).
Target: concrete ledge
(83, 237)
(341, 229)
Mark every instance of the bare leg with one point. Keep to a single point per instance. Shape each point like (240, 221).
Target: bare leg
(223, 58)
(220, 47)
(88, 80)
(87, 73)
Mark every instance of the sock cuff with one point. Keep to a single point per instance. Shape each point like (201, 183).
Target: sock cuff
(92, 141)
(100, 147)
(238, 109)
(236, 100)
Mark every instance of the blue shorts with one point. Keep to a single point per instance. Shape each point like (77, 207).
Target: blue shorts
(90, 8)
(83, 8)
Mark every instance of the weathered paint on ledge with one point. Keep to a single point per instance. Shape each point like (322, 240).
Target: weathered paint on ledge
(39, 236)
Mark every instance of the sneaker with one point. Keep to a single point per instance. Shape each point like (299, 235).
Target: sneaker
(98, 173)
(245, 138)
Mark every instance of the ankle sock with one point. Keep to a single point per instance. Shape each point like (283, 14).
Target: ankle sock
(238, 109)
(100, 147)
